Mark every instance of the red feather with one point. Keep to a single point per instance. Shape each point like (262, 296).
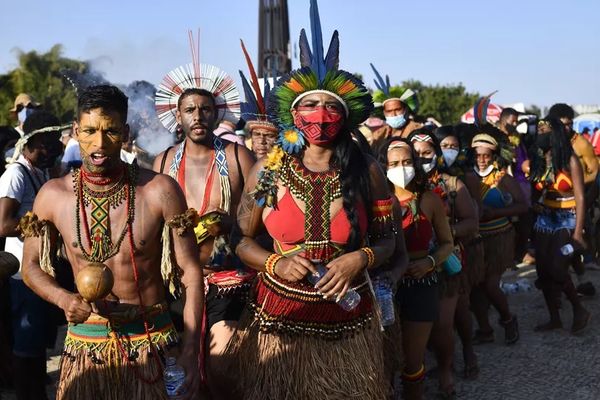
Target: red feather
(254, 81)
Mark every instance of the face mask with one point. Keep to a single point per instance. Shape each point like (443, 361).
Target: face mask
(24, 113)
(543, 142)
(510, 129)
(485, 172)
(450, 156)
(319, 126)
(401, 176)
(396, 122)
(428, 163)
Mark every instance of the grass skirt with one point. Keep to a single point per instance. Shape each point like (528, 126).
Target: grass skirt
(499, 251)
(303, 353)
(94, 361)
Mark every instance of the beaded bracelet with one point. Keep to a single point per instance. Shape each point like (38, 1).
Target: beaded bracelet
(370, 256)
(270, 263)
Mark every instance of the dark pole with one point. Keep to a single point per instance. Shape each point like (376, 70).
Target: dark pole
(273, 38)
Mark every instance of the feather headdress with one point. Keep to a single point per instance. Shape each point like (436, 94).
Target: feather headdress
(319, 73)
(254, 109)
(197, 76)
(408, 96)
(480, 109)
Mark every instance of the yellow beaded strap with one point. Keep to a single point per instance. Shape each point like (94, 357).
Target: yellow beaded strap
(370, 256)
(270, 263)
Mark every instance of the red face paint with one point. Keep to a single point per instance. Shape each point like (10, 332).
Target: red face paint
(320, 126)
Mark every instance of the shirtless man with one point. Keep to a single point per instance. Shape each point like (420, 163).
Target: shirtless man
(398, 119)
(115, 341)
(199, 176)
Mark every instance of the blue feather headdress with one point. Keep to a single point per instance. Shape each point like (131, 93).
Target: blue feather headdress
(254, 109)
(319, 72)
(407, 96)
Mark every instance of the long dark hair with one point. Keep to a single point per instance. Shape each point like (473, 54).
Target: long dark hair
(560, 150)
(355, 180)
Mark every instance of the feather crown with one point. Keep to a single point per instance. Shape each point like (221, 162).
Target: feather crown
(408, 96)
(319, 72)
(254, 109)
(196, 76)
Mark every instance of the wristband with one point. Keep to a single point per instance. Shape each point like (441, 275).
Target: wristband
(270, 263)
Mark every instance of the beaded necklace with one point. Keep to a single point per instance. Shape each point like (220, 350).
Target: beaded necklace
(317, 190)
(99, 236)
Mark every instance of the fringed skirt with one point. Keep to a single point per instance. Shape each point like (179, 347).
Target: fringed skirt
(473, 269)
(293, 344)
(499, 250)
(110, 360)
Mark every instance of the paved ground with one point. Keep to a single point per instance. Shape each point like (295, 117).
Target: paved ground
(546, 366)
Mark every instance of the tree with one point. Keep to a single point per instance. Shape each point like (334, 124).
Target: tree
(444, 103)
(42, 76)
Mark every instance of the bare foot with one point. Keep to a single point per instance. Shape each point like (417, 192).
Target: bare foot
(548, 326)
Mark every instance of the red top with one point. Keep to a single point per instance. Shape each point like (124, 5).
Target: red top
(285, 223)
(418, 233)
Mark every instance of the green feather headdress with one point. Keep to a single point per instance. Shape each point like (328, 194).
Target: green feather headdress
(320, 72)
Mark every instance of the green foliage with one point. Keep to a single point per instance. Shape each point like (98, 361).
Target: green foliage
(444, 103)
(40, 76)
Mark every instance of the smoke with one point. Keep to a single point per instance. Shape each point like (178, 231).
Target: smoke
(146, 129)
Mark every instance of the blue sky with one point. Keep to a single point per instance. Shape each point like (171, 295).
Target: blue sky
(531, 51)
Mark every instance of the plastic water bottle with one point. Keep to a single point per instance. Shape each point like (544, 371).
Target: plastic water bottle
(174, 376)
(567, 250)
(350, 299)
(385, 298)
(523, 285)
(508, 288)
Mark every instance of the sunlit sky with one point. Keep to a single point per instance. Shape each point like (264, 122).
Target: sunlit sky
(532, 51)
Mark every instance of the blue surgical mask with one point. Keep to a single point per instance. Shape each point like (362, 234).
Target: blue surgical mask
(450, 156)
(24, 113)
(397, 121)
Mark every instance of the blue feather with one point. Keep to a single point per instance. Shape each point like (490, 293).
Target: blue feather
(306, 57)
(380, 83)
(332, 59)
(318, 61)
(250, 106)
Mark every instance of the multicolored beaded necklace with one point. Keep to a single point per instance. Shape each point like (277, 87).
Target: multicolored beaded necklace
(317, 190)
(98, 235)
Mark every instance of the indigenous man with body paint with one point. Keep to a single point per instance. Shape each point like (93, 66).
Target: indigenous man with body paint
(110, 217)
(211, 171)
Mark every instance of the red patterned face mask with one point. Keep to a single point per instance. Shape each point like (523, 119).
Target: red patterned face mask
(320, 126)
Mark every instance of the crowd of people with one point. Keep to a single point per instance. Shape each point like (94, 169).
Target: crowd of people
(320, 252)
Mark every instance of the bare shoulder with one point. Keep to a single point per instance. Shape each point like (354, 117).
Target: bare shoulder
(52, 195)
(167, 155)
(154, 182)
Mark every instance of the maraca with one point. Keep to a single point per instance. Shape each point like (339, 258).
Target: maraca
(94, 282)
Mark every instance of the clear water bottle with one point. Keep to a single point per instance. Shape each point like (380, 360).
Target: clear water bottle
(509, 288)
(174, 375)
(567, 250)
(385, 298)
(350, 299)
(523, 285)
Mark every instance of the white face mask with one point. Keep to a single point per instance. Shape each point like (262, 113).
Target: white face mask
(450, 156)
(485, 172)
(430, 165)
(401, 176)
